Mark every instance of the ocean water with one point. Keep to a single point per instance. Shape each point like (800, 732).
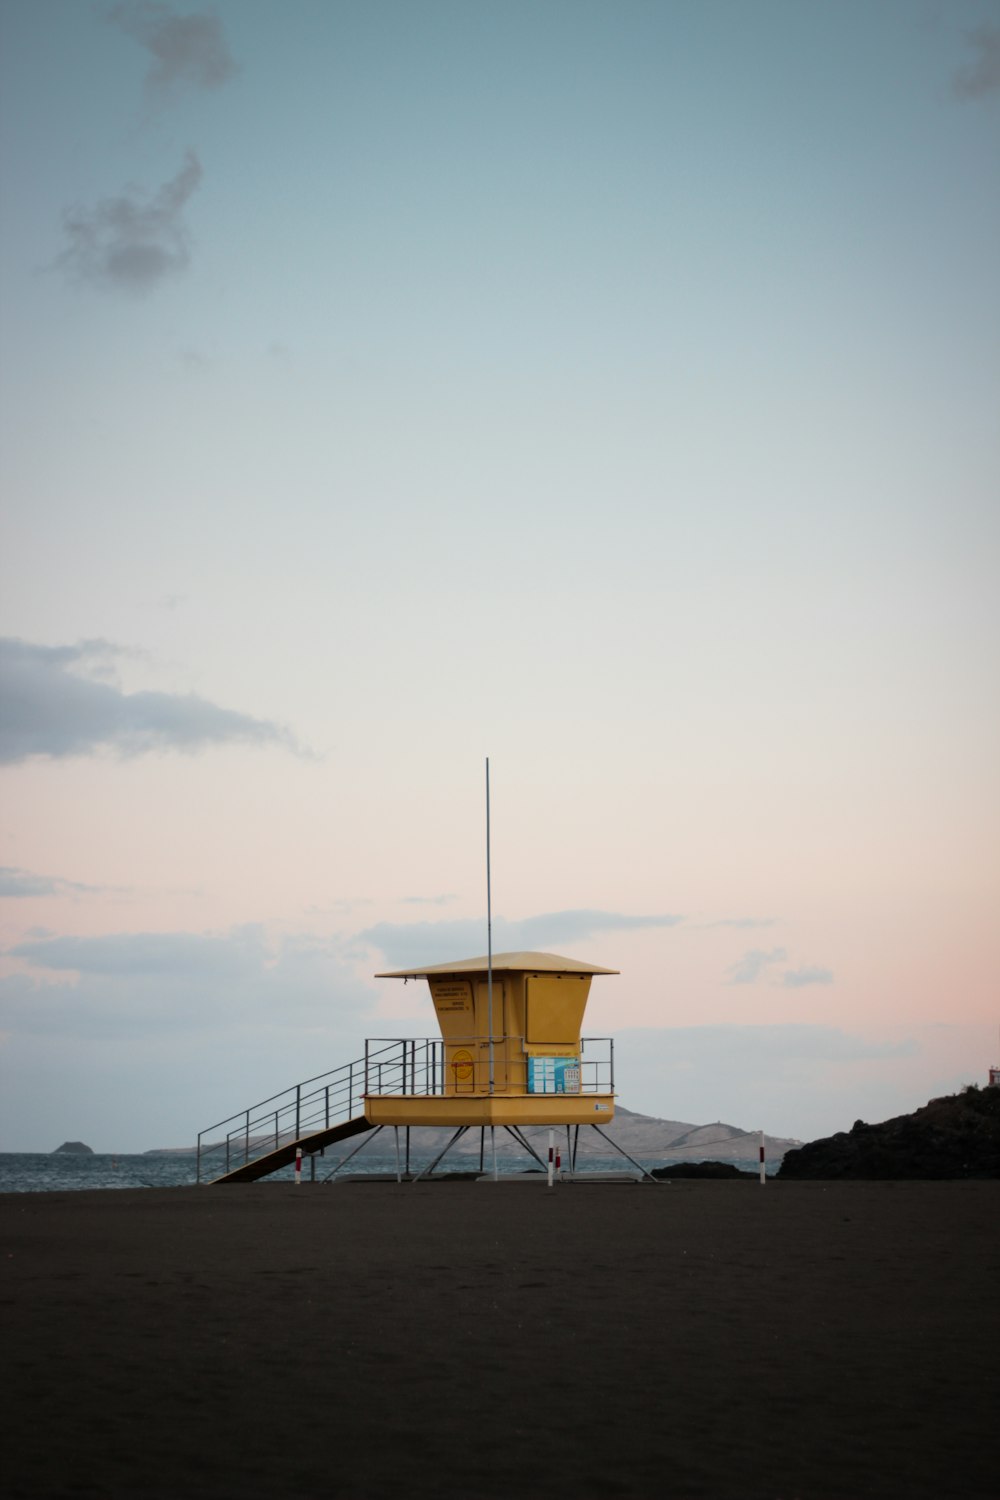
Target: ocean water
(59, 1171)
(38, 1172)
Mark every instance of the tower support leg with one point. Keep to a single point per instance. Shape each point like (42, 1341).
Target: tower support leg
(628, 1158)
(441, 1154)
(514, 1131)
(367, 1141)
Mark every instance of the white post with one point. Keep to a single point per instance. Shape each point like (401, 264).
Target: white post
(552, 1152)
(298, 1166)
(763, 1174)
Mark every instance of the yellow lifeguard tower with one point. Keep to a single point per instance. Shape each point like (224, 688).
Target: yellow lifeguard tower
(510, 1054)
(511, 1050)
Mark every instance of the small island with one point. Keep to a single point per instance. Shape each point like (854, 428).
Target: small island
(76, 1148)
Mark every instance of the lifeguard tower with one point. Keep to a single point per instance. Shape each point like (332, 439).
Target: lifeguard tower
(511, 1050)
(510, 1055)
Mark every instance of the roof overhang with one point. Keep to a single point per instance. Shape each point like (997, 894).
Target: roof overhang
(502, 963)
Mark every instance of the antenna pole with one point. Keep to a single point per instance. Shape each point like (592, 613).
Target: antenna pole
(489, 928)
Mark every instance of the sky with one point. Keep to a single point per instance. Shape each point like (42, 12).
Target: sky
(609, 388)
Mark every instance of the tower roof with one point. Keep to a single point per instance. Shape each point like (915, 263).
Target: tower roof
(510, 963)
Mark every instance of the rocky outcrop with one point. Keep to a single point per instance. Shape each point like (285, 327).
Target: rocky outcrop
(76, 1147)
(706, 1171)
(955, 1136)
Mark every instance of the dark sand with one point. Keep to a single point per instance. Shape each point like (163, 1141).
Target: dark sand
(806, 1339)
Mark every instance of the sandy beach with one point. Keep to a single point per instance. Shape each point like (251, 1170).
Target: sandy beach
(798, 1341)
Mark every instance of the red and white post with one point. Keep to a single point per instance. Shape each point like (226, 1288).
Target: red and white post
(763, 1173)
(298, 1166)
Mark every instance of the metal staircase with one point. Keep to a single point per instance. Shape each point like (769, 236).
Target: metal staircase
(263, 1138)
(318, 1112)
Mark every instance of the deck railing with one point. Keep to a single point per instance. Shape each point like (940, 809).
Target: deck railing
(430, 1066)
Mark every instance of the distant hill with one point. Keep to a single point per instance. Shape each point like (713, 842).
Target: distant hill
(957, 1135)
(677, 1140)
(76, 1148)
(644, 1136)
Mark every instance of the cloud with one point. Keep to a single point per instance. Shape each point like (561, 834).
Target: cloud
(758, 963)
(442, 900)
(15, 882)
(153, 1036)
(132, 243)
(794, 979)
(141, 984)
(981, 77)
(149, 953)
(753, 964)
(410, 943)
(187, 49)
(48, 708)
